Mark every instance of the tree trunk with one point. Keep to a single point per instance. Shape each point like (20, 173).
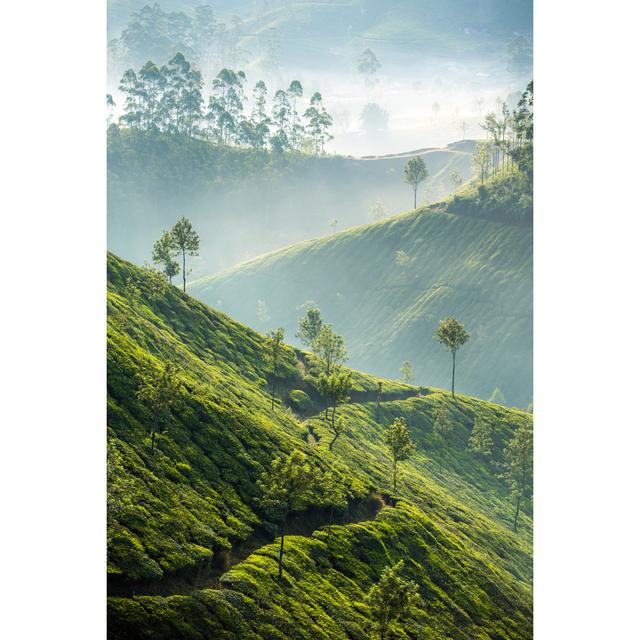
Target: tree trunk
(515, 520)
(184, 271)
(453, 375)
(415, 196)
(284, 520)
(335, 437)
(395, 466)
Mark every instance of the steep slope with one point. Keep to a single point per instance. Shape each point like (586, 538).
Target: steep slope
(387, 304)
(245, 203)
(188, 509)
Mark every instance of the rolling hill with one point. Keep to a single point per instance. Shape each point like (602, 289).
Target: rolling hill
(245, 203)
(386, 285)
(190, 550)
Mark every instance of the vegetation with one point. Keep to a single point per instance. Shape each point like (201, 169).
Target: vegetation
(406, 372)
(391, 599)
(384, 312)
(401, 446)
(329, 348)
(519, 467)
(309, 326)
(276, 340)
(185, 241)
(180, 517)
(452, 334)
(415, 172)
(335, 388)
(169, 99)
(287, 487)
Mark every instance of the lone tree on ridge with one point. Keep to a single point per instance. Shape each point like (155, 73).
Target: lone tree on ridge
(452, 335)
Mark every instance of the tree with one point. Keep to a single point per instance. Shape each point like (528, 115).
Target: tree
(377, 211)
(481, 159)
(452, 335)
(497, 397)
(164, 252)
(442, 424)
(379, 397)
(406, 372)
(318, 123)
(335, 492)
(391, 599)
(329, 348)
(259, 118)
(276, 347)
(294, 92)
(401, 446)
(309, 326)
(368, 66)
(225, 106)
(456, 178)
(286, 487)
(335, 388)
(159, 389)
(518, 456)
(185, 241)
(415, 172)
(481, 438)
(374, 118)
(281, 116)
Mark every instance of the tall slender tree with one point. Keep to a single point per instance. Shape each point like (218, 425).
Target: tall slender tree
(401, 446)
(286, 487)
(185, 241)
(295, 92)
(452, 335)
(415, 172)
(318, 123)
(329, 348)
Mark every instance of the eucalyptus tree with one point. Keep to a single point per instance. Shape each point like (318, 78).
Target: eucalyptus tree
(296, 130)
(415, 172)
(442, 424)
(452, 334)
(481, 439)
(131, 86)
(185, 241)
(335, 492)
(259, 118)
(280, 117)
(401, 446)
(226, 104)
(287, 487)
(318, 123)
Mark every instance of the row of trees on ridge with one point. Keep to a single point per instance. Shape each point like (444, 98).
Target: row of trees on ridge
(170, 98)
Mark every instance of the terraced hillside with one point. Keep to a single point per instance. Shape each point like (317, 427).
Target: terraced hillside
(190, 551)
(386, 285)
(245, 203)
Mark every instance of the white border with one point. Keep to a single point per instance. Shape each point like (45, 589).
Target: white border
(586, 339)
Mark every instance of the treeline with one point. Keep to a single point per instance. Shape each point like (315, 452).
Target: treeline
(169, 98)
(157, 34)
(510, 140)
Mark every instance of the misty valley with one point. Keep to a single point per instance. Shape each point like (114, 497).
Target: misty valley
(319, 320)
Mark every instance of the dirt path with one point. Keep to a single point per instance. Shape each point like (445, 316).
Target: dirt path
(208, 577)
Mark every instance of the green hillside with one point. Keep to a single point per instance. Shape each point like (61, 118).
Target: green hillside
(244, 202)
(190, 551)
(469, 257)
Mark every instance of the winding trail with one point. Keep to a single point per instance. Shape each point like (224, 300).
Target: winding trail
(208, 576)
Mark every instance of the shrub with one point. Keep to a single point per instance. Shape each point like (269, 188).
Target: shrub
(300, 401)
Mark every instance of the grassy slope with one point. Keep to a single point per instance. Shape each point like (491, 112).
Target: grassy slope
(244, 203)
(195, 496)
(477, 270)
